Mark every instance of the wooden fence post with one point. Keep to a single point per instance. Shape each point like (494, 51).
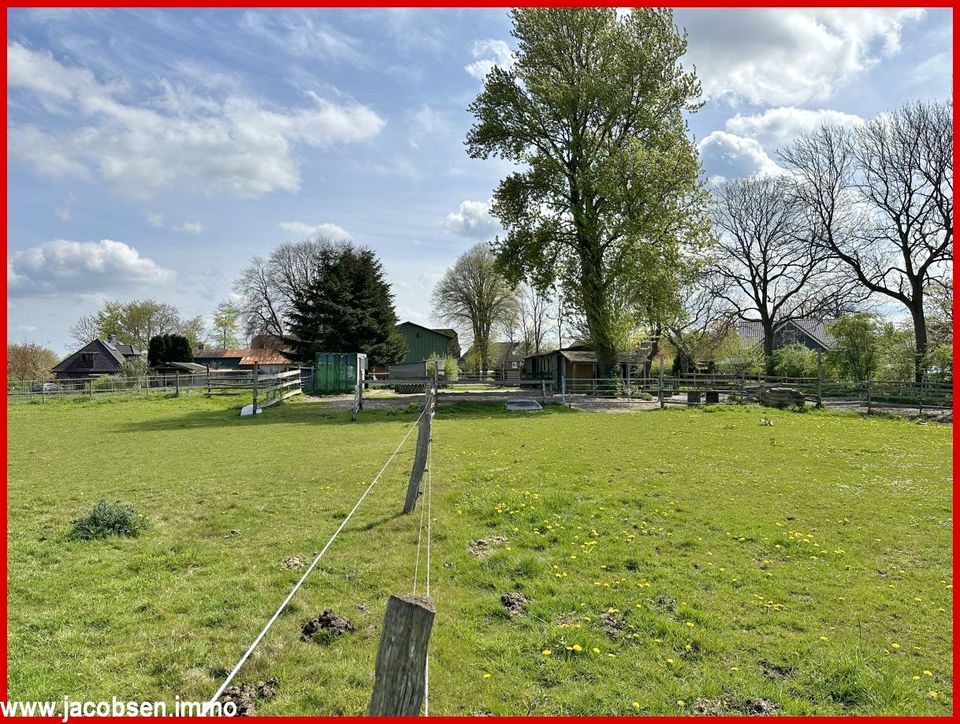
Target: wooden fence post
(543, 388)
(256, 379)
(819, 379)
(420, 459)
(399, 686)
(178, 384)
(660, 388)
(869, 392)
(208, 382)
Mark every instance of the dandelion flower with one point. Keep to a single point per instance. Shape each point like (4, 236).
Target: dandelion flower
(578, 648)
(681, 703)
(596, 650)
(927, 673)
(547, 652)
(487, 676)
(933, 694)
(635, 705)
(824, 638)
(894, 645)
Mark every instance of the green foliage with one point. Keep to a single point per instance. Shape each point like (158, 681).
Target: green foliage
(28, 361)
(451, 371)
(895, 352)
(107, 519)
(736, 356)
(134, 367)
(854, 355)
(168, 348)
(797, 360)
(226, 325)
(609, 200)
(346, 307)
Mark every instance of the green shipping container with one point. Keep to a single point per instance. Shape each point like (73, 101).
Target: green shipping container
(336, 373)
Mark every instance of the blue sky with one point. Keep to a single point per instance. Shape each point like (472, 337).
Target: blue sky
(153, 153)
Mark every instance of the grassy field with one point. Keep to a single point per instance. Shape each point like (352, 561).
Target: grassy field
(673, 561)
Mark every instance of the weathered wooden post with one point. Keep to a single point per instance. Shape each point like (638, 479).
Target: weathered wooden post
(90, 388)
(208, 382)
(178, 384)
(420, 458)
(819, 379)
(660, 388)
(921, 395)
(869, 392)
(256, 379)
(543, 388)
(399, 686)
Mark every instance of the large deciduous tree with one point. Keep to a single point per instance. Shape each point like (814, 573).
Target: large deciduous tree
(226, 325)
(767, 259)
(882, 198)
(134, 322)
(474, 296)
(592, 108)
(345, 306)
(268, 287)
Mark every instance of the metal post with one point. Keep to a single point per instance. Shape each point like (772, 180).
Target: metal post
(178, 384)
(921, 395)
(869, 392)
(660, 388)
(208, 381)
(629, 394)
(819, 380)
(543, 388)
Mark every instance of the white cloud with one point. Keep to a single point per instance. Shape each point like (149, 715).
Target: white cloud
(472, 219)
(189, 227)
(425, 123)
(301, 231)
(81, 267)
(727, 155)
(155, 220)
(413, 30)
(778, 127)
(65, 212)
(788, 56)
(229, 144)
(302, 34)
(488, 54)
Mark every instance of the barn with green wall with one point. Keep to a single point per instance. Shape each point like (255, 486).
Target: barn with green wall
(424, 343)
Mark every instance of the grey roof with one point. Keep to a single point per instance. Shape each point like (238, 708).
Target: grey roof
(751, 330)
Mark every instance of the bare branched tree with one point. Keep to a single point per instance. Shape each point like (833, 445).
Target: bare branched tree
(268, 287)
(534, 312)
(767, 262)
(474, 296)
(703, 323)
(882, 199)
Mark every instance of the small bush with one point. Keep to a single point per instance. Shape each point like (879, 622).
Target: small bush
(610, 387)
(108, 519)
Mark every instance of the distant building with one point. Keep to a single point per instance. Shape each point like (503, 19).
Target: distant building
(504, 359)
(243, 359)
(424, 343)
(577, 362)
(96, 358)
(811, 333)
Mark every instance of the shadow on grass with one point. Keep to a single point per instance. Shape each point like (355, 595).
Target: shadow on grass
(317, 414)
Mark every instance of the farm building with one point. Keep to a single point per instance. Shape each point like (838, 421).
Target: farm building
(96, 358)
(243, 359)
(424, 343)
(811, 333)
(505, 359)
(576, 362)
(183, 368)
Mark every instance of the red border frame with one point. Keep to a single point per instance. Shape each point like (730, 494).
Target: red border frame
(432, 4)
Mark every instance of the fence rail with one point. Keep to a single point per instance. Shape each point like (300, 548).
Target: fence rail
(214, 382)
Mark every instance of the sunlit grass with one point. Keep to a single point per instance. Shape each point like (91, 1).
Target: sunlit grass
(672, 561)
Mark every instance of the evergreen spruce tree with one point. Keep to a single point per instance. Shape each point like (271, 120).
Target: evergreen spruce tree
(347, 307)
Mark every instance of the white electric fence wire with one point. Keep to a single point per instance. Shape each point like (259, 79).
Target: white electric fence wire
(429, 507)
(316, 560)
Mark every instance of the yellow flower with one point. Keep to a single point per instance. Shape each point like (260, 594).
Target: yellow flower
(927, 673)
(669, 661)
(915, 678)
(894, 645)
(933, 694)
(487, 676)
(690, 624)
(596, 650)
(635, 705)
(824, 638)
(681, 703)
(578, 648)
(547, 652)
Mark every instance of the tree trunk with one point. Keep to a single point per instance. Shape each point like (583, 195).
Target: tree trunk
(768, 362)
(919, 336)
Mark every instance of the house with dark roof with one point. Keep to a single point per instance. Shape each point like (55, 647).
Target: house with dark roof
(811, 333)
(97, 358)
(424, 343)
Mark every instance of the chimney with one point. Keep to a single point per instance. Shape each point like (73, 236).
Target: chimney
(112, 339)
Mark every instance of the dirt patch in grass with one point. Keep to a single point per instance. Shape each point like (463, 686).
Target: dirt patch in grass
(730, 705)
(484, 547)
(293, 563)
(325, 626)
(245, 696)
(612, 623)
(514, 603)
